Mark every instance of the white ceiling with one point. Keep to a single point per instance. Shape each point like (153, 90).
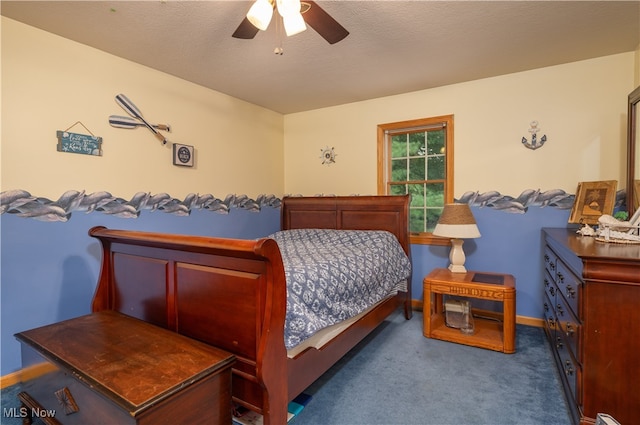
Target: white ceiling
(394, 46)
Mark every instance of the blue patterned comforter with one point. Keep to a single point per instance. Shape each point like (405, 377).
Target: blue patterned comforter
(333, 275)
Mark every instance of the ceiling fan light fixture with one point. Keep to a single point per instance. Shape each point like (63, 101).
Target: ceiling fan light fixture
(288, 7)
(260, 14)
(291, 16)
(294, 24)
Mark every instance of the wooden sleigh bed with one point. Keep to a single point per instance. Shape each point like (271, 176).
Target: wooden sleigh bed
(231, 293)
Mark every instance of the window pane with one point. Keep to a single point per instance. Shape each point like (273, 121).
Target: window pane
(416, 144)
(436, 142)
(433, 214)
(435, 195)
(416, 169)
(416, 220)
(399, 146)
(436, 169)
(418, 198)
(398, 189)
(398, 170)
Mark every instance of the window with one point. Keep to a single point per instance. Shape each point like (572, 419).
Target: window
(416, 157)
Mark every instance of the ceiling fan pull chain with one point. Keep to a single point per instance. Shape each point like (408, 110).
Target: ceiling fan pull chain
(279, 50)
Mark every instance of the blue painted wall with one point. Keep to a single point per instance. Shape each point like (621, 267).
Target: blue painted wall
(509, 243)
(49, 269)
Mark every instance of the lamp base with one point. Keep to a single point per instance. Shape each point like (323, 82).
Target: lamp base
(457, 257)
(457, 268)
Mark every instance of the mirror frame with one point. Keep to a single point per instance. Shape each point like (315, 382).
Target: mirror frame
(632, 145)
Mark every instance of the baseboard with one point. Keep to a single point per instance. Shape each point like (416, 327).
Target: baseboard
(530, 321)
(26, 374)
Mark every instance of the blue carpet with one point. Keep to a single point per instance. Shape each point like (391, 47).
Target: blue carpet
(397, 376)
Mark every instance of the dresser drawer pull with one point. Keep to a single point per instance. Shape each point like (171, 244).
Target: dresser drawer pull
(570, 329)
(546, 307)
(568, 368)
(560, 310)
(552, 290)
(571, 293)
(546, 258)
(552, 266)
(546, 282)
(561, 277)
(552, 323)
(559, 343)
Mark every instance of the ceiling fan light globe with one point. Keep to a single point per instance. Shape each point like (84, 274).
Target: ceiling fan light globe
(294, 24)
(288, 7)
(260, 14)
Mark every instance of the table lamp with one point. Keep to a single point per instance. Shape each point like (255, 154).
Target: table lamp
(457, 222)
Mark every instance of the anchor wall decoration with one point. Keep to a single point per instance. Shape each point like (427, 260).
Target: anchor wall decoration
(535, 143)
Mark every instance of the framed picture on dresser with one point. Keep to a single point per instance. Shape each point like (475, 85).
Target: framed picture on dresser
(593, 199)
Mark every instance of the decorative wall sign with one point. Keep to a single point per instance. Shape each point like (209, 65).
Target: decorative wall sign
(328, 156)
(182, 155)
(534, 144)
(79, 143)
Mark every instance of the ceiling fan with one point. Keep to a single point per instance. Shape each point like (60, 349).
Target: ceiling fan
(259, 16)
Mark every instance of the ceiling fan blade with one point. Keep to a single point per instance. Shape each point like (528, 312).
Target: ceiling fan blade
(245, 30)
(324, 24)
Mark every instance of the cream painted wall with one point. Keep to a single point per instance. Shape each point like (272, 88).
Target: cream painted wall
(580, 107)
(637, 66)
(49, 83)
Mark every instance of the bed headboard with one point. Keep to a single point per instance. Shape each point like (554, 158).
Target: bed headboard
(390, 213)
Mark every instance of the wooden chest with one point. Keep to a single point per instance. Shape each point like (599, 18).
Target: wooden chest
(108, 368)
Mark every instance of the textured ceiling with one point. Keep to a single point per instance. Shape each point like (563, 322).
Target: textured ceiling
(394, 46)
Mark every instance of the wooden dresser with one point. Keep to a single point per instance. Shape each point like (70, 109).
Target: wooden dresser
(592, 315)
(108, 368)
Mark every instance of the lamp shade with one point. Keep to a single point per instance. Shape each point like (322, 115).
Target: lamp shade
(457, 221)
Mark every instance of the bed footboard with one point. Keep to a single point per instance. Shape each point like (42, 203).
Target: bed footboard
(225, 292)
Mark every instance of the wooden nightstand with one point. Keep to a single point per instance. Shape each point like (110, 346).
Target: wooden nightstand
(493, 331)
(108, 368)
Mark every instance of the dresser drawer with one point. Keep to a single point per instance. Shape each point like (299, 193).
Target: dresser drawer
(568, 327)
(550, 319)
(550, 287)
(569, 286)
(550, 261)
(569, 368)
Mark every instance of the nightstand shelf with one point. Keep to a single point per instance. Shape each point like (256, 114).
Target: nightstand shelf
(493, 331)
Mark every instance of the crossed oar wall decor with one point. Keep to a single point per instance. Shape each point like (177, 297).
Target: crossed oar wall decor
(137, 119)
